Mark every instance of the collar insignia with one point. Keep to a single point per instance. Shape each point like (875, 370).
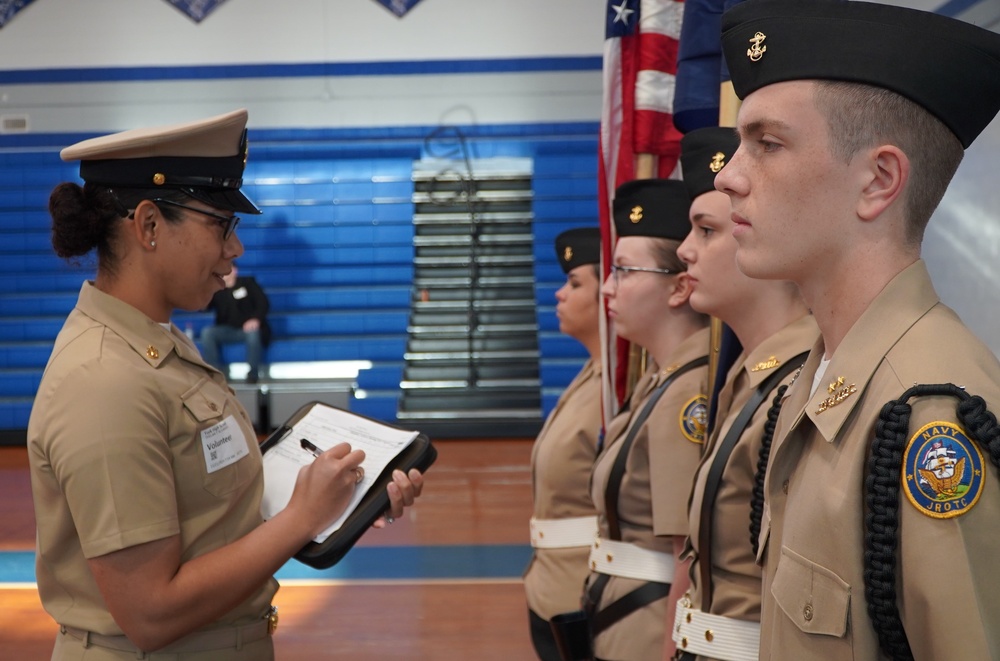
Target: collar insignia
(152, 353)
(838, 393)
(768, 364)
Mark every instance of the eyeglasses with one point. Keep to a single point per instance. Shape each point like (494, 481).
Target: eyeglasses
(228, 223)
(618, 271)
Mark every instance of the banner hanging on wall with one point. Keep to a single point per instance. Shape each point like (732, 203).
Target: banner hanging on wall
(398, 7)
(196, 9)
(10, 7)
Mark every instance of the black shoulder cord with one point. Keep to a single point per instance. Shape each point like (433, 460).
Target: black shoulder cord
(882, 485)
(757, 497)
(714, 479)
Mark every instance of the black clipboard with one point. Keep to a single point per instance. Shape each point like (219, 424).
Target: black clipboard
(419, 454)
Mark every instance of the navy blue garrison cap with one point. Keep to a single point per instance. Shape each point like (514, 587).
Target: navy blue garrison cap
(948, 67)
(652, 207)
(704, 152)
(578, 246)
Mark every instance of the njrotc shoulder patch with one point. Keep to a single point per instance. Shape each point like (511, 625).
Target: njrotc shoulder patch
(694, 419)
(942, 471)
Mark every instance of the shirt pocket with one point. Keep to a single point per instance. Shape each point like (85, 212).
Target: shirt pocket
(208, 405)
(813, 597)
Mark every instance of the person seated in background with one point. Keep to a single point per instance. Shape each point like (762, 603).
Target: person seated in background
(240, 317)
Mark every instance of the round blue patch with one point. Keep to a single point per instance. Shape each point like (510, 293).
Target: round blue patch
(942, 471)
(694, 419)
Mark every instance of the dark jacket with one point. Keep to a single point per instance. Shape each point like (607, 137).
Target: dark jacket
(245, 300)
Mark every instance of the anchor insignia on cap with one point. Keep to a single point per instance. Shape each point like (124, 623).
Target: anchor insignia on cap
(636, 214)
(567, 254)
(718, 162)
(756, 51)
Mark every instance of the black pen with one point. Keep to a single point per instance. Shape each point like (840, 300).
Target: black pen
(310, 448)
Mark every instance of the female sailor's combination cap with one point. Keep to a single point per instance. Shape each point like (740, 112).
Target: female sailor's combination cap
(578, 246)
(204, 158)
(652, 207)
(704, 152)
(948, 67)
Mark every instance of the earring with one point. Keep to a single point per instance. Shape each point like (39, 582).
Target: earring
(152, 243)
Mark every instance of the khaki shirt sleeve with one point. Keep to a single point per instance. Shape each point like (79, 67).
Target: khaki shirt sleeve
(110, 458)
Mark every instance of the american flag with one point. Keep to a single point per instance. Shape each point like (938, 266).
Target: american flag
(640, 60)
(10, 7)
(197, 10)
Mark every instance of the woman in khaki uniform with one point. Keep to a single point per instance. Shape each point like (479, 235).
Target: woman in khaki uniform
(564, 522)
(642, 479)
(881, 518)
(776, 331)
(146, 474)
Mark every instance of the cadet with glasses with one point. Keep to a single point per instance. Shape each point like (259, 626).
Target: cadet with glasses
(881, 512)
(642, 479)
(145, 470)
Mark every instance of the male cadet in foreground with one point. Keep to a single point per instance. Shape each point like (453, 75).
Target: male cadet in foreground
(854, 120)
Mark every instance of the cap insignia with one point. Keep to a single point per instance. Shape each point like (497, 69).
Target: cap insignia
(159, 178)
(718, 161)
(757, 50)
(942, 471)
(568, 254)
(636, 214)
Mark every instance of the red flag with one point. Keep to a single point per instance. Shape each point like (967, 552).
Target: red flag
(640, 61)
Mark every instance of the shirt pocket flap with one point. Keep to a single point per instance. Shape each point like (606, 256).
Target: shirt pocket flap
(813, 597)
(205, 401)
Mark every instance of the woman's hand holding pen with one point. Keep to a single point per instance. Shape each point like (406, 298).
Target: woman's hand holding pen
(403, 490)
(324, 487)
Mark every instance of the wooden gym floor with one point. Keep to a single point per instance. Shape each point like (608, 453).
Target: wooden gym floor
(441, 584)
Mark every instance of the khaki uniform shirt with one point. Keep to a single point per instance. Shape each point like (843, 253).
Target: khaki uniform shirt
(561, 461)
(734, 570)
(120, 441)
(813, 529)
(652, 502)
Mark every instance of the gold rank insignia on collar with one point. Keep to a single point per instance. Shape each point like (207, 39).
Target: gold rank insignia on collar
(718, 162)
(757, 50)
(838, 393)
(152, 353)
(568, 254)
(636, 215)
(768, 364)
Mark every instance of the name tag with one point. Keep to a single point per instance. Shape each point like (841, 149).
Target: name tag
(240, 293)
(224, 444)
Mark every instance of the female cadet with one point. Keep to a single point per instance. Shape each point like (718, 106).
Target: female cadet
(564, 522)
(642, 478)
(149, 539)
(776, 332)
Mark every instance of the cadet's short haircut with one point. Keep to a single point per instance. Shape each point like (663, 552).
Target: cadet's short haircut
(862, 116)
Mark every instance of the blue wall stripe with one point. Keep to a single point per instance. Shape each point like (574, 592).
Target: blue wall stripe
(300, 70)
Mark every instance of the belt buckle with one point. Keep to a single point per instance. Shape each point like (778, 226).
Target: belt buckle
(272, 620)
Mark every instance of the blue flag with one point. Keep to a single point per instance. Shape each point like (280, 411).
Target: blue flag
(700, 65)
(196, 9)
(398, 7)
(10, 7)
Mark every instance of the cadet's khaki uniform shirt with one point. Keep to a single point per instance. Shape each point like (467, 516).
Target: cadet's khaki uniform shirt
(118, 458)
(734, 570)
(652, 503)
(561, 461)
(813, 530)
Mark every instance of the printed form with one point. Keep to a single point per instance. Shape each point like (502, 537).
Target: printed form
(325, 427)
